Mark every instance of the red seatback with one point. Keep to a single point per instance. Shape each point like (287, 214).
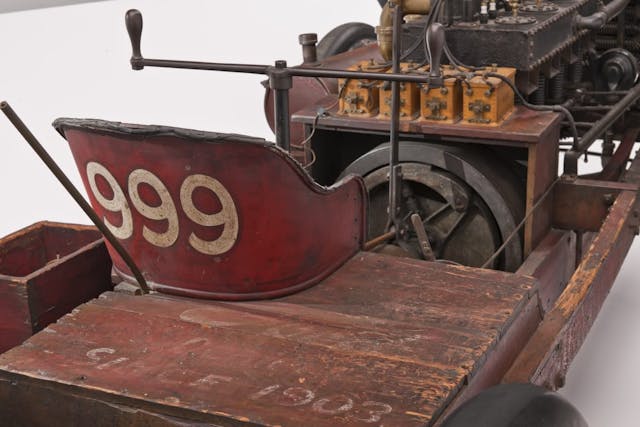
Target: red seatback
(214, 215)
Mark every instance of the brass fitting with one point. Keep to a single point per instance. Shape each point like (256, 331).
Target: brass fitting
(385, 29)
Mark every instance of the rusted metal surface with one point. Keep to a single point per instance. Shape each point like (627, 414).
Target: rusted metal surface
(583, 204)
(617, 164)
(523, 127)
(546, 357)
(191, 208)
(335, 354)
(46, 270)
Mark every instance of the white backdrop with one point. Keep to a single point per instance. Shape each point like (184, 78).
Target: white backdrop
(73, 61)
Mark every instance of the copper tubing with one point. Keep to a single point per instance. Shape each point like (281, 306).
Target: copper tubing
(385, 29)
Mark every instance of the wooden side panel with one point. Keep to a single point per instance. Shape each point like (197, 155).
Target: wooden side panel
(46, 270)
(583, 204)
(62, 286)
(546, 357)
(542, 170)
(15, 320)
(552, 262)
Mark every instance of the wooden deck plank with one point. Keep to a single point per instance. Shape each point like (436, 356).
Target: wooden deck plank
(364, 347)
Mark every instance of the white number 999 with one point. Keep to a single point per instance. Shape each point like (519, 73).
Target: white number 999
(227, 217)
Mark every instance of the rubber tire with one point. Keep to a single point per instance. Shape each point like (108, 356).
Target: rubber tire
(343, 38)
(516, 405)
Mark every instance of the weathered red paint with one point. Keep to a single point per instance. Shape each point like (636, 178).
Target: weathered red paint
(46, 270)
(546, 357)
(385, 338)
(291, 232)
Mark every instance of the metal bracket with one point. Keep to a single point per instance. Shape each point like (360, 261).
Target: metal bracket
(388, 101)
(436, 105)
(479, 108)
(352, 99)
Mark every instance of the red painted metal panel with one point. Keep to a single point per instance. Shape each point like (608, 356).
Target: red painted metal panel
(215, 216)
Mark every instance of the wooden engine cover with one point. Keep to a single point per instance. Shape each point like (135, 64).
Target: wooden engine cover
(214, 215)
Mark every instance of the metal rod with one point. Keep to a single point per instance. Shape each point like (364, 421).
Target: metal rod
(73, 191)
(376, 241)
(520, 225)
(293, 71)
(592, 107)
(572, 156)
(395, 172)
(193, 65)
(280, 81)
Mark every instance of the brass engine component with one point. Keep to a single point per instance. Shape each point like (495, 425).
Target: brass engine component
(488, 101)
(385, 29)
(409, 98)
(359, 97)
(442, 104)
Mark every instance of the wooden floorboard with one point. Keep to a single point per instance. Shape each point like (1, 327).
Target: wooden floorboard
(383, 341)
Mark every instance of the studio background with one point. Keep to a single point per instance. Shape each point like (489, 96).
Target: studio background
(73, 61)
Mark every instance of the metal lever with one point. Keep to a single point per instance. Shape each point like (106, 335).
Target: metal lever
(75, 194)
(133, 20)
(423, 239)
(435, 44)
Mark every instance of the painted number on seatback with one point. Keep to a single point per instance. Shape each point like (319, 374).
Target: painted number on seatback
(166, 210)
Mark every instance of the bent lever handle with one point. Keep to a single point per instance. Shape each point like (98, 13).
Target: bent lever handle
(133, 20)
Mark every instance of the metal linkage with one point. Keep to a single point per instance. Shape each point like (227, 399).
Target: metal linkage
(581, 146)
(280, 81)
(280, 76)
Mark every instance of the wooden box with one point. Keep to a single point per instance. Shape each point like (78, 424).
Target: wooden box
(359, 98)
(46, 270)
(442, 104)
(488, 101)
(409, 99)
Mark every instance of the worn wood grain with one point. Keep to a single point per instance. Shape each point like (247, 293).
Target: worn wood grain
(552, 262)
(546, 357)
(380, 342)
(583, 204)
(522, 127)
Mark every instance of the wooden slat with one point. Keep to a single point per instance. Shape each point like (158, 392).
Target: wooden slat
(363, 347)
(552, 263)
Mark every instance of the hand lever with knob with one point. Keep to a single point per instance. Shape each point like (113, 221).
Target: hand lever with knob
(435, 42)
(133, 20)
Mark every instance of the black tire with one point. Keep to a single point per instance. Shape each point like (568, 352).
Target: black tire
(344, 38)
(516, 405)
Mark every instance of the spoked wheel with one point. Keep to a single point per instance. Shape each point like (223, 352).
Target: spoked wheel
(468, 204)
(458, 223)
